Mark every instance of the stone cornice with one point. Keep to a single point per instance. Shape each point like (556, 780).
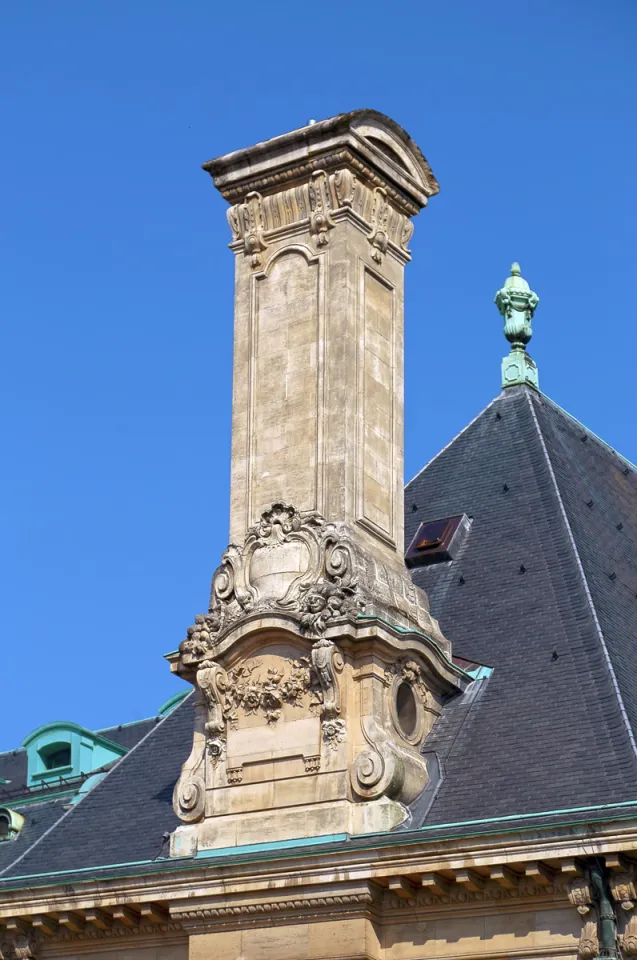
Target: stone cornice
(465, 873)
(366, 142)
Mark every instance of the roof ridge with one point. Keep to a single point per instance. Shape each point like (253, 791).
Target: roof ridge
(103, 780)
(129, 723)
(582, 574)
(590, 432)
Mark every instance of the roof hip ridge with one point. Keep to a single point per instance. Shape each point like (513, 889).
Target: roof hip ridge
(594, 436)
(580, 567)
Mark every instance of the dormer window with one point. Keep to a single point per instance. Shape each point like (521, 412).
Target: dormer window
(55, 755)
(10, 823)
(437, 541)
(62, 751)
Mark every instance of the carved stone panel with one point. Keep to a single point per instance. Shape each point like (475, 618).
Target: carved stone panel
(286, 371)
(378, 390)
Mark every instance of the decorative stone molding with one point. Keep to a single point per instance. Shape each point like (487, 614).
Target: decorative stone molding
(317, 205)
(407, 673)
(580, 894)
(117, 931)
(212, 680)
(275, 907)
(319, 197)
(623, 888)
(379, 237)
(246, 224)
(326, 662)
(252, 692)
(315, 572)
(312, 764)
(263, 574)
(458, 895)
(386, 769)
(190, 796)
(20, 946)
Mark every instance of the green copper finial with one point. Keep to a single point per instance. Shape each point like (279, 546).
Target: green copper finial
(517, 302)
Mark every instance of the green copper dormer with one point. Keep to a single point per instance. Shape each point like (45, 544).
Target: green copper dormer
(65, 750)
(517, 302)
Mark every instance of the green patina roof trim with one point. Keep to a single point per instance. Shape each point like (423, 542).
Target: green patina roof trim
(275, 845)
(70, 727)
(169, 705)
(44, 796)
(287, 848)
(418, 633)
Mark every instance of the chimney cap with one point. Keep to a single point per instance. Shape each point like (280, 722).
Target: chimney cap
(375, 147)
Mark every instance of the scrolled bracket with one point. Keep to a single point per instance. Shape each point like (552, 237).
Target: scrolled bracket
(20, 946)
(326, 663)
(320, 218)
(580, 894)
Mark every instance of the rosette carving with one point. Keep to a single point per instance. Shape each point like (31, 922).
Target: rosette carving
(623, 889)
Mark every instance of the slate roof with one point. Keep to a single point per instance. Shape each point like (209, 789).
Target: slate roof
(122, 819)
(544, 591)
(44, 805)
(531, 596)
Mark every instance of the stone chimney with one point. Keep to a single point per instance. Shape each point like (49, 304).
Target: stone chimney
(319, 668)
(320, 222)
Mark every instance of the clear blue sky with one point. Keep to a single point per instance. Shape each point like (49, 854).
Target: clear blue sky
(117, 282)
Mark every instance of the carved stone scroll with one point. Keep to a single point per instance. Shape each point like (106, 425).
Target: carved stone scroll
(335, 581)
(379, 237)
(212, 681)
(246, 223)
(326, 660)
(249, 580)
(386, 768)
(320, 220)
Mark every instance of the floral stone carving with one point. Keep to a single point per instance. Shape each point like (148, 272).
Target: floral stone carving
(256, 693)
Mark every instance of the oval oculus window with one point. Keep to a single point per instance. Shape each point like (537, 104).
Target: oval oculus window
(406, 709)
